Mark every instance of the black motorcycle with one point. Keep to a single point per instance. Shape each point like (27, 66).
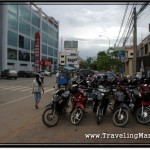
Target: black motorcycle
(58, 106)
(121, 108)
(101, 101)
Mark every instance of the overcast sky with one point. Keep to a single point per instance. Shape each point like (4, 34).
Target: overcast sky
(86, 22)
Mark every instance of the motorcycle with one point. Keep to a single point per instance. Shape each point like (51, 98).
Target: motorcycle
(101, 101)
(121, 108)
(78, 98)
(139, 97)
(58, 106)
(141, 104)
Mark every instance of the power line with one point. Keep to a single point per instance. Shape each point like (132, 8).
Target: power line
(122, 21)
(127, 24)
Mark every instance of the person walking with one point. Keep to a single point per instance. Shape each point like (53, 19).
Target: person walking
(37, 87)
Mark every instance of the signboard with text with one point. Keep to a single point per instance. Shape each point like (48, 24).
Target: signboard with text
(37, 51)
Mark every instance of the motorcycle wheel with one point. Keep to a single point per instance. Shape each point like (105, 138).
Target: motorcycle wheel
(99, 114)
(50, 119)
(121, 117)
(143, 118)
(76, 116)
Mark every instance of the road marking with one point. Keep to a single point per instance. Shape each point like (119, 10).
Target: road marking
(26, 89)
(20, 99)
(20, 88)
(13, 87)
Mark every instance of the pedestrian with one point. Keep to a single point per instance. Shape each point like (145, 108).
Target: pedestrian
(37, 87)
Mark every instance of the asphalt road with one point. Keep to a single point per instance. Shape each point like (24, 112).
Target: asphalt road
(21, 123)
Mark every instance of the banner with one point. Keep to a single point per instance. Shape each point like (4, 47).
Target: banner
(37, 52)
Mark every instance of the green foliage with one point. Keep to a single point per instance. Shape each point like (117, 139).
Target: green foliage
(83, 65)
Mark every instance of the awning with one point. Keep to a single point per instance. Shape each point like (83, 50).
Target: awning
(69, 68)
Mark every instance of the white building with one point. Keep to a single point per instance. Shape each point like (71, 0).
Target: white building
(70, 55)
(69, 58)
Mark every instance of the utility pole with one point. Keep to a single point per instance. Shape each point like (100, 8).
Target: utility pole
(134, 41)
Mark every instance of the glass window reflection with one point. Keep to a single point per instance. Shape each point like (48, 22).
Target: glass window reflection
(12, 54)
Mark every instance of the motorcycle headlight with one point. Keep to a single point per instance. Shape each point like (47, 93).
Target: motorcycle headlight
(56, 98)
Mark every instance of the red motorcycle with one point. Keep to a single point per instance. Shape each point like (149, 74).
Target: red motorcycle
(143, 111)
(79, 99)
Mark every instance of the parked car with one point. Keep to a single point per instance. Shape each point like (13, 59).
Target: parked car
(26, 74)
(45, 73)
(0, 76)
(110, 75)
(85, 73)
(9, 73)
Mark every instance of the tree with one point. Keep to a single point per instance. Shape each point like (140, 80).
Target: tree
(83, 65)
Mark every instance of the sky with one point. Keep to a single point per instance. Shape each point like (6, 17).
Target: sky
(94, 25)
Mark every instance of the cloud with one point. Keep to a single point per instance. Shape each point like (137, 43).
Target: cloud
(85, 23)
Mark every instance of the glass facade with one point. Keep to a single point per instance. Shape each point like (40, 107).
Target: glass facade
(24, 27)
(44, 49)
(24, 13)
(12, 54)
(35, 20)
(12, 22)
(23, 23)
(12, 38)
(13, 8)
(24, 55)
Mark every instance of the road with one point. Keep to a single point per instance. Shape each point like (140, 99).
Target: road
(21, 123)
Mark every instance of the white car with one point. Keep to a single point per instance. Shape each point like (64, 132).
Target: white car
(45, 73)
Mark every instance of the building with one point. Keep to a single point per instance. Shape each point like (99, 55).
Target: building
(20, 22)
(70, 55)
(129, 60)
(143, 57)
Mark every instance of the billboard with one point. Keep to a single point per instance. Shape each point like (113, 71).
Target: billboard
(70, 45)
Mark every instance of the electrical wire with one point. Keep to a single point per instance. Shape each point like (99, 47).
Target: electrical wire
(122, 21)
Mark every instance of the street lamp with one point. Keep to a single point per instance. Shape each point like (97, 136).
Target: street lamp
(107, 38)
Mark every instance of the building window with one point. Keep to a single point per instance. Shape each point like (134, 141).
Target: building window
(32, 45)
(12, 22)
(12, 38)
(35, 21)
(24, 55)
(21, 41)
(62, 56)
(44, 49)
(24, 28)
(55, 44)
(34, 30)
(50, 41)
(12, 54)
(24, 42)
(131, 54)
(44, 27)
(32, 57)
(50, 51)
(62, 62)
(12, 8)
(24, 13)
(44, 37)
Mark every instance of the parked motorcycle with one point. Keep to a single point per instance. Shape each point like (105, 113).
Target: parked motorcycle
(121, 108)
(101, 101)
(79, 98)
(141, 104)
(58, 106)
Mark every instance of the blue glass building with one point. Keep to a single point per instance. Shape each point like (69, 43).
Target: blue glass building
(19, 23)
